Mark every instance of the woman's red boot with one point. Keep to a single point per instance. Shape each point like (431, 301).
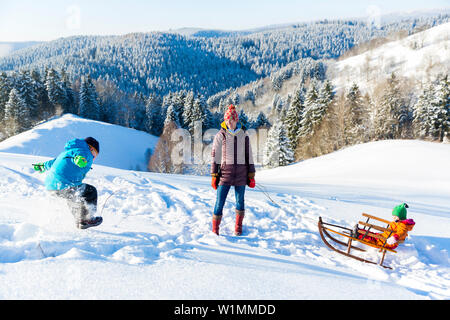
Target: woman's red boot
(216, 223)
(239, 218)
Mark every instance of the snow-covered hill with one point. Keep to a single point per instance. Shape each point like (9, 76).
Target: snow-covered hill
(155, 241)
(418, 57)
(120, 147)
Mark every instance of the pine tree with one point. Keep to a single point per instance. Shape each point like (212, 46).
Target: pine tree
(153, 111)
(440, 109)
(25, 86)
(55, 90)
(208, 123)
(294, 117)
(354, 115)
(89, 106)
(243, 119)
(17, 114)
(45, 108)
(325, 98)
(355, 104)
(178, 101)
(70, 103)
(5, 88)
(261, 121)
(138, 112)
(423, 111)
(309, 114)
(188, 110)
(389, 111)
(278, 147)
(172, 116)
(198, 115)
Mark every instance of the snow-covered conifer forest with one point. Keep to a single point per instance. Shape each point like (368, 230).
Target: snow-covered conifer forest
(287, 73)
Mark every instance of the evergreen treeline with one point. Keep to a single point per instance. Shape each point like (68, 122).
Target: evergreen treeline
(316, 120)
(27, 98)
(320, 121)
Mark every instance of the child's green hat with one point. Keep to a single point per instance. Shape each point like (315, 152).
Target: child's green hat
(400, 211)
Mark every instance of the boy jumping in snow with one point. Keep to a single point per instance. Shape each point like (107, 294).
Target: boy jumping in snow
(65, 176)
(400, 226)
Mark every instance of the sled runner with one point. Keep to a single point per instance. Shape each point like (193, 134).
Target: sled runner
(347, 238)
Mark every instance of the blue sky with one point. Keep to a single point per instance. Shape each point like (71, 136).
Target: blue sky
(26, 20)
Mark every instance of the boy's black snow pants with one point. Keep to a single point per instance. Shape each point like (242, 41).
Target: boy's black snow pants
(82, 200)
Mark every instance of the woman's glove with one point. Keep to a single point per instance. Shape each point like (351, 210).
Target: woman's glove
(214, 181)
(251, 180)
(391, 241)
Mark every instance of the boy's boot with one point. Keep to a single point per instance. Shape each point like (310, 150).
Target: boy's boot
(83, 218)
(239, 218)
(216, 223)
(92, 222)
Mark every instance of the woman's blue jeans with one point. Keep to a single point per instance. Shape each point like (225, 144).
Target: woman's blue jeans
(222, 192)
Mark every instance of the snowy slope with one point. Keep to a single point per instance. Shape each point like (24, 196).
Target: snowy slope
(155, 241)
(419, 56)
(120, 147)
(391, 164)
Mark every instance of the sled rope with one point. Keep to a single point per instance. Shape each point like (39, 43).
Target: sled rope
(265, 192)
(114, 193)
(104, 203)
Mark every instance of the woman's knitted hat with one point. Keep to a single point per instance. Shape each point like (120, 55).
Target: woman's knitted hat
(231, 113)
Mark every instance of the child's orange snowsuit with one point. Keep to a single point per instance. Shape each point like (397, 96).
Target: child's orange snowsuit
(400, 232)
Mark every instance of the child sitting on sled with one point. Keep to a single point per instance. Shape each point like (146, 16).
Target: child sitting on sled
(400, 227)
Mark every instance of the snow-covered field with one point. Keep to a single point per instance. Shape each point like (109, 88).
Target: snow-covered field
(155, 241)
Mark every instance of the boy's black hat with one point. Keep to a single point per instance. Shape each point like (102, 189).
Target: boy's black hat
(93, 143)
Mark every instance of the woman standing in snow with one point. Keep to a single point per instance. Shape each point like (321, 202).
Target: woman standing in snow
(232, 165)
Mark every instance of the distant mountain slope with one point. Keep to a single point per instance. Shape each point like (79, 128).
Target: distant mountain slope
(205, 62)
(120, 147)
(144, 63)
(418, 57)
(6, 48)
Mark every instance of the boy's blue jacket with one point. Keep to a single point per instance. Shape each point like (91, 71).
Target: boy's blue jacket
(62, 172)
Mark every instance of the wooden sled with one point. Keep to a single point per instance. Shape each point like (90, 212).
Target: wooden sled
(347, 240)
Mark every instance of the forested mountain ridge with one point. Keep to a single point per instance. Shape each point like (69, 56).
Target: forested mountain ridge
(144, 63)
(159, 63)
